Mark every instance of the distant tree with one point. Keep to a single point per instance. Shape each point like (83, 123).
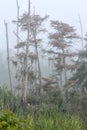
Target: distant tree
(81, 73)
(23, 56)
(61, 40)
(27, 50)
(36, 27)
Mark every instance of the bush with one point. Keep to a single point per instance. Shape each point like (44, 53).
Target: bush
(9, 121)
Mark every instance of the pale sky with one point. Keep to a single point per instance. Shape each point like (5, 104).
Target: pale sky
(64, 10)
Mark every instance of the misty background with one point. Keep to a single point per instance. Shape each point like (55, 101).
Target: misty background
(64, 10)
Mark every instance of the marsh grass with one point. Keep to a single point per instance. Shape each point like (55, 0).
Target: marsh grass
(57, 122)
(49, 118)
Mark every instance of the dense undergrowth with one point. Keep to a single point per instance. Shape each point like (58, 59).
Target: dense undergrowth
(42, 113)
(9, 121)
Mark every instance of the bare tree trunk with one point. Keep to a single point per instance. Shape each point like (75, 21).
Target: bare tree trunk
(61, 79)
(27, 59)
(81, 28)
(38, 64)
(18, 62)
(9, 71)
(65, 70)
(35, 72)
(60, 71)
(82, 40)
(39, 70)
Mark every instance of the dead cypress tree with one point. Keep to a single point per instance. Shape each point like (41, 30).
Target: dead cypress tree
(23, 55)
(18, 59)
(8, 60)
(61, 40)
(36, 29)
(36, 22)
(26, 57)
(82, 38)
(32, 24)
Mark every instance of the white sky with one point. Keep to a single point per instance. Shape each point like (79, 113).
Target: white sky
(64, 10)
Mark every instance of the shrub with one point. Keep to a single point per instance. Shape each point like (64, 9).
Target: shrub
(9, 121)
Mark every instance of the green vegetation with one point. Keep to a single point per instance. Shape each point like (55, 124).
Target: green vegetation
(9, 121)
(44, 113)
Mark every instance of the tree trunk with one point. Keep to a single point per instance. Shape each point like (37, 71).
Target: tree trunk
(65, 69)
(26, 59)
(18, 62)
(9, 71)
(39, 70)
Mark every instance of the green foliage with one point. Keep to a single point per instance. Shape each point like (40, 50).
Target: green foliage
(8, 121)
(77, 104)
(45, 113)
(81, 74)
(58, 122)
(49, 117)
(78, 96)
(55, 97)
(7, 99)
(52, 97)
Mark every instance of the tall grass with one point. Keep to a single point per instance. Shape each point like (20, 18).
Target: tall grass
(57, 122)
(49, 118)
(44, 117)
(9, 121)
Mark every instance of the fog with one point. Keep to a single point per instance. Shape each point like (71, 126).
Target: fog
(63, 10)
